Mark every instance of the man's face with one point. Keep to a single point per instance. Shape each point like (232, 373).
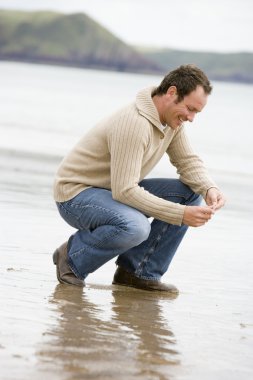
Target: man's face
(175, 113)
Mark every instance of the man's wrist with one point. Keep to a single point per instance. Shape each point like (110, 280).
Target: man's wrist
(212, 187)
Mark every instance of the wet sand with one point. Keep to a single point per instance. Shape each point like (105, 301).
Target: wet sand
(110, 332)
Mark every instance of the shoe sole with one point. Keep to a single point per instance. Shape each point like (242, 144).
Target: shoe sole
(146, 289)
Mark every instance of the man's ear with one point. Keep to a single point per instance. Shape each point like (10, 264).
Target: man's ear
(172, 91)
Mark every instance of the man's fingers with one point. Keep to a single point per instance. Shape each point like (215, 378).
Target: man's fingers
(205, 214)
(219, 204)
(207, 210)
(200, 223)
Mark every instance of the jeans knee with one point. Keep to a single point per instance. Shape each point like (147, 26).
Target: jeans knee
(138, 231)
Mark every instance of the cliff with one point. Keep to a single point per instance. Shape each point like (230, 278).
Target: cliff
(77, 40)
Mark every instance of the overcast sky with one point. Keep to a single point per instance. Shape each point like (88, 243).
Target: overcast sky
(209, 25)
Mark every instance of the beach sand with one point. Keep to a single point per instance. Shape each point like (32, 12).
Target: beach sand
(111, 332)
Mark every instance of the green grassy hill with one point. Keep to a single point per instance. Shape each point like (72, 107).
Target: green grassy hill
(77, 40)
(236, 67)
(74, 39)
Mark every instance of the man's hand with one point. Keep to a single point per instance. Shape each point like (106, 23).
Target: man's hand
(215, 199)
(196, 216)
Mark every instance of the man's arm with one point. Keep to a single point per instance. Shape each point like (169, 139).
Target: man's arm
(193, 173)
(189, 166)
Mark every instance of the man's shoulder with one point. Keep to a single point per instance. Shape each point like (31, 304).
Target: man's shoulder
(129, 116)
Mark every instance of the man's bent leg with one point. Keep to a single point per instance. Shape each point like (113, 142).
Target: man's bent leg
(106, 228)
(151, 259)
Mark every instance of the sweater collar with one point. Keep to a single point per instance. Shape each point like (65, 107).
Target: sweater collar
(146, 107)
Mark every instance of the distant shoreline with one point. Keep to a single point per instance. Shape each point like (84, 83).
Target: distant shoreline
(219, 78)
(75, 65)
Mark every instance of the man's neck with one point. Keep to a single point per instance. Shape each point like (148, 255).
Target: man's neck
(158, 102)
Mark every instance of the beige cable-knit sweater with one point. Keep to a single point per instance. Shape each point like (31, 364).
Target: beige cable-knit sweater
(120, 151)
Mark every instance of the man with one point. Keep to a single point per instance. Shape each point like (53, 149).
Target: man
(101, 190)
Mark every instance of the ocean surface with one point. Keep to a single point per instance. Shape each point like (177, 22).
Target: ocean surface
(103, 331)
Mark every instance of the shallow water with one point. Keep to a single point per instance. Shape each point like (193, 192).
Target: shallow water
(105, 331)
(109, 332)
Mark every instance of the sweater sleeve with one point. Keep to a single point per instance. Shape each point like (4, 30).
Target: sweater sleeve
(127, 141)
(189, 166)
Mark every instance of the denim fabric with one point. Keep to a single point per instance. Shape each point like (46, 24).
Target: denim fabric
(107, 228)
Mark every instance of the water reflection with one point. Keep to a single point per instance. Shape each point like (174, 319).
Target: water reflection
(141, 313)
(120, 334)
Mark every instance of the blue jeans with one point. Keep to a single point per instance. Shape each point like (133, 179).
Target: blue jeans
(107, 228)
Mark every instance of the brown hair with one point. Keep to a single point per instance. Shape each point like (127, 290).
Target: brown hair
(185, 78)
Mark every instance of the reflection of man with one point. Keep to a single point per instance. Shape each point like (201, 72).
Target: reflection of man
(142, 315)
(101, 191)
(90, 340)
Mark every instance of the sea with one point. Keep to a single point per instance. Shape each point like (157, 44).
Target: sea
(106, 332)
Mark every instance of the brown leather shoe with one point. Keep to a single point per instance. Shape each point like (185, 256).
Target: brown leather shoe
(122, 277)
(63, 270)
